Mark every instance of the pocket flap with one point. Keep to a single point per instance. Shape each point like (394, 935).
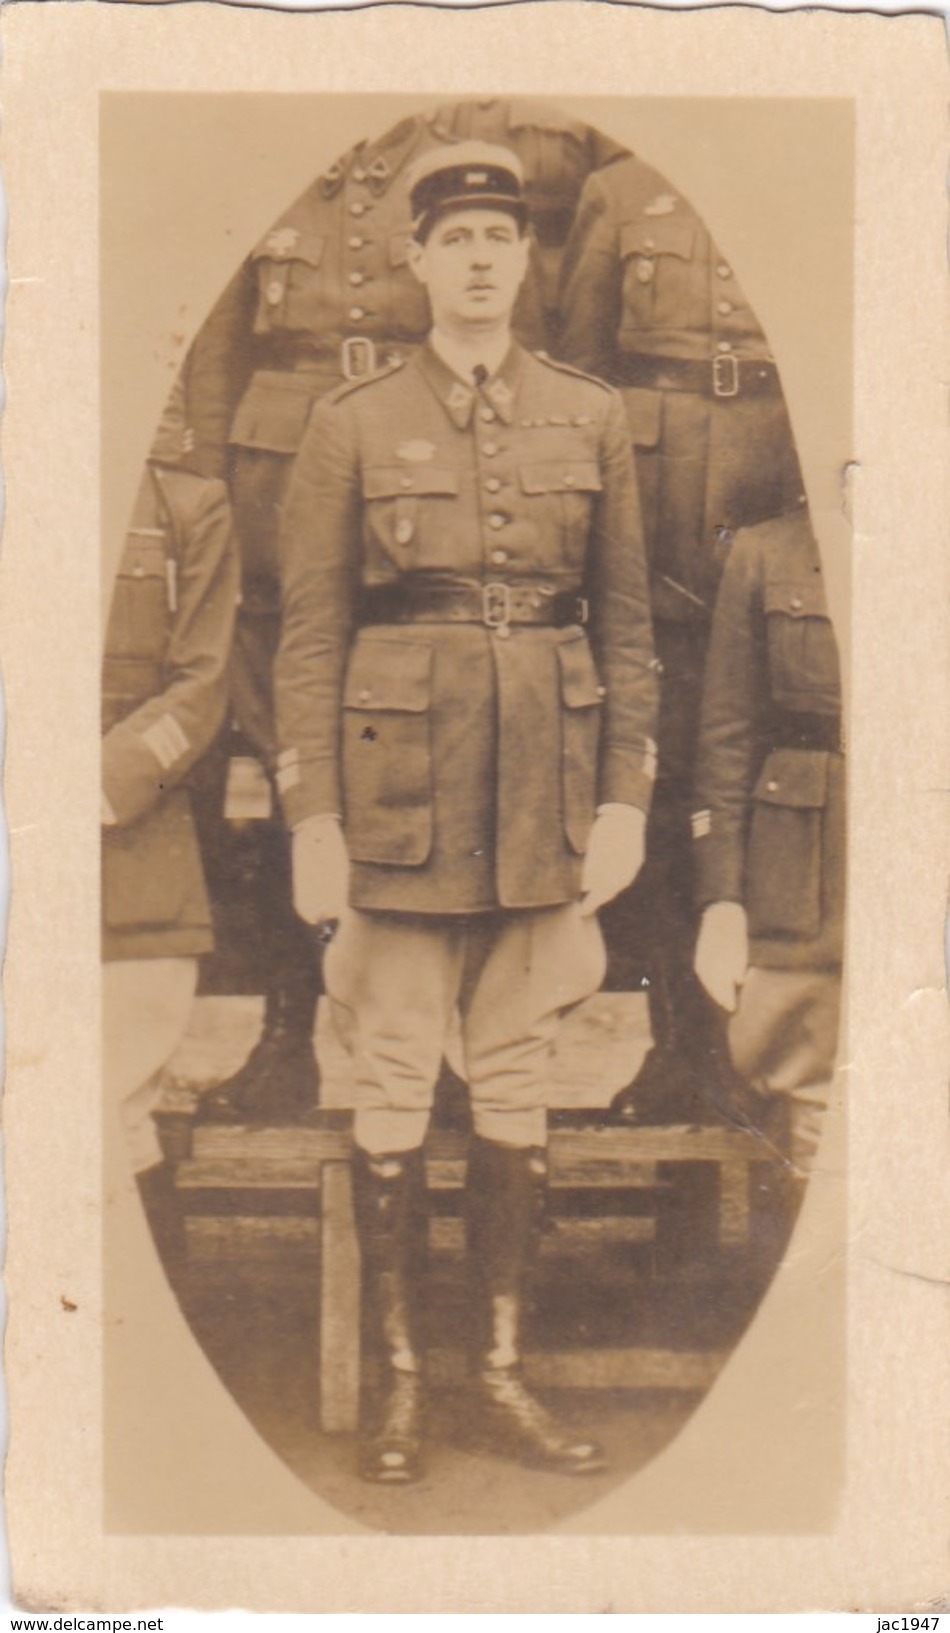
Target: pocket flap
(291, 244)
(273, 412)
(394, 481)
(561, 476)
(798, 598)
(644, 410)
(389, 675)
(660, 236)
(143, 557)
(794, 777)
(580, 686)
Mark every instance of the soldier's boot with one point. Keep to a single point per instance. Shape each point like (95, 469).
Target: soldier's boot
(389, 1200)
(687, 1076)
(278, 1082)
(504, 1207)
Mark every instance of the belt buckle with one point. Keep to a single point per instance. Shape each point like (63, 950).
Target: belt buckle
(725, 375)
(496, 605)
(357, 357)
(582, 608)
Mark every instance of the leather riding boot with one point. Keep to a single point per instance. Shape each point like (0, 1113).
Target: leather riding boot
(504, 1206)
(389, 1201)
(278, 1082)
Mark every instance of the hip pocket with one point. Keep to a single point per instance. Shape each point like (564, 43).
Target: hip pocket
(783, 863)
(387, 752)
(581, 703)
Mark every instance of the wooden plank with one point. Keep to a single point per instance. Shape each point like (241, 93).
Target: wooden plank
(339, 1304)
(734, 1203)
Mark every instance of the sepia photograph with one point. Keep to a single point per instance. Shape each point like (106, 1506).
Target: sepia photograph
(474, 629)
(474, 808)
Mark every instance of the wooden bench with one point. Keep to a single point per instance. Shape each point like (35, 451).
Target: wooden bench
(703, 1185)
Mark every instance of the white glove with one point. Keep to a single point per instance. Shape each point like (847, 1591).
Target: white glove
(722, 952)
(614, 857)
(321, 869)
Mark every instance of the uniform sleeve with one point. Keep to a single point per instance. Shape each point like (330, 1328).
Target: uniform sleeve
(735, 693)
(218, 368)
(590, 301)
(153, 748)
(621, 628)
(319, 560)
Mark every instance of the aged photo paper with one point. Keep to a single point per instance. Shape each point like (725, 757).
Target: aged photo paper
(736, 1326)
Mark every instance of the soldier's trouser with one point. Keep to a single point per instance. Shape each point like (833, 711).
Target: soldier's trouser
(784, 1038)
(393, 982)
(145, 1007)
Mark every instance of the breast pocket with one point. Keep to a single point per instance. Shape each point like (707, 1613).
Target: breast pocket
(406, 506)
(289, 267)
(565, 491)
(581, 709)
(659, 278)
(387, 752)
(803, 653)
(139, 616)
(783, 862)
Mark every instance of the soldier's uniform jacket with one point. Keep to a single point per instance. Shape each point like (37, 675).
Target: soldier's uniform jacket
(649, 303)
(770, 781)
(466, 761)
(164, 692)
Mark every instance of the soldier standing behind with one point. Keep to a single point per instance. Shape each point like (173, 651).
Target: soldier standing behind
(770, 828)
(650, 304)
(465, 771)
(164, 693)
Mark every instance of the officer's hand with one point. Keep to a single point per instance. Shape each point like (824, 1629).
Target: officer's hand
(722, 952)
(614, 855)
(321, 869)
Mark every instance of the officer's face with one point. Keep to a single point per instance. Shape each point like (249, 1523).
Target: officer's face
(472, 265)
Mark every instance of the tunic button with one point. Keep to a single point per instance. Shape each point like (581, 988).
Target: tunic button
(499, 557)
(493, 484)
(645, 270)
(138, 572)
(356, 313)
(486, 414)
(795, 603)
(502, 631)
(570, 481)
(725, 307)
(357, 278)
(275, 292)
(356, 243)
(649, 243)
(359, 174)
(724, 346)
(405, 481)
(356, 208)
(722, 271)
(771, 787)
(365, 695)
(489, 449)
(403, 531)
(601, 691)
(497, 520)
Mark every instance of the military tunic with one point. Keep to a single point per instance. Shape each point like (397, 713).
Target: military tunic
(465, 760)
(770, 824)
(164, 694)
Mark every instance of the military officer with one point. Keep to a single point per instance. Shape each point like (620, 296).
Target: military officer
(326, 296)
(770, 824)
(649, 303)
(164, 694)
(465, 701)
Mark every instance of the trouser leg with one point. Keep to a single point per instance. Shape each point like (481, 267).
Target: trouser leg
(784, 1038)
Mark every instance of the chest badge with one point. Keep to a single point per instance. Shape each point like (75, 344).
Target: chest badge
(663, 204)
(281, 242)
(417, 452)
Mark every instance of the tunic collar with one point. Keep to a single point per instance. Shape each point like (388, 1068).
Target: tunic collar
(458, 397)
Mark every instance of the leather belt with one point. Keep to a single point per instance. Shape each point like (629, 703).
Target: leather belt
(354, 358)
(722, 376)
(495, 604)
(806, 731)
